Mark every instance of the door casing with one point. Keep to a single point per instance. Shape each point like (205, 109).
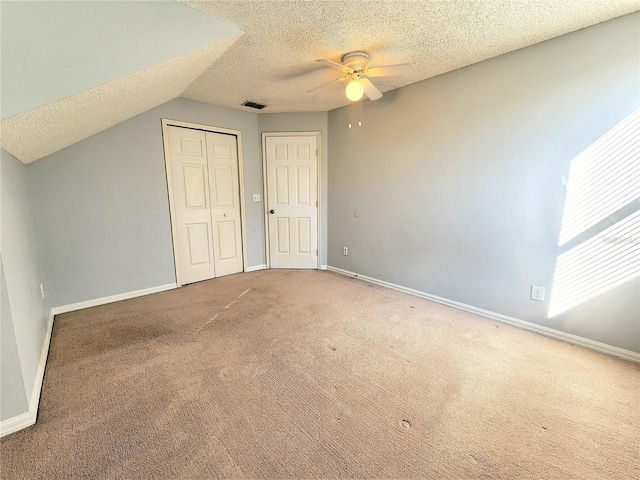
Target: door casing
(265, 190)
(207, 128)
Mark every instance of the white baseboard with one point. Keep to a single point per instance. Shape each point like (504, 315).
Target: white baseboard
(323, 267)
(27, 419)
(255, 268)
(72, 307)
(532, 327)
(14, 424)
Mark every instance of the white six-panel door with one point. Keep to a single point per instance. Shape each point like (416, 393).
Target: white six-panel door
(292, 201)
(205, 204)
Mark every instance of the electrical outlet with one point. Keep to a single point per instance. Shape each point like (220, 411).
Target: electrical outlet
(256, 197)
(537, 293)
(345, 251)
(42, 291)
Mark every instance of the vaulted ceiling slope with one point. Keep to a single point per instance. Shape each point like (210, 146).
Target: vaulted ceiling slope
(73, 69)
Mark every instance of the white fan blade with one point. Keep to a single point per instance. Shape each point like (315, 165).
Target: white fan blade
(325, 84)
(401, 69)
(334, 64)
(370, 89)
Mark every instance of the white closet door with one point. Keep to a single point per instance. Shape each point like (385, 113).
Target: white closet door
(192, 212)
(222, 155)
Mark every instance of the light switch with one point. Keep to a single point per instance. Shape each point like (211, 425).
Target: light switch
(256, 197)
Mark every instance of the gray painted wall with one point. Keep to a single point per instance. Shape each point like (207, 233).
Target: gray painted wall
(305, 122)
(458, 179)
(102, 204)
(26, 316)
(13, 400)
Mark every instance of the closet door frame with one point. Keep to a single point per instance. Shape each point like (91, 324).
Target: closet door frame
(206, 128)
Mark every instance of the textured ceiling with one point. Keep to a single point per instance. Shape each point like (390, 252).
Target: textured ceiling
(274, 61)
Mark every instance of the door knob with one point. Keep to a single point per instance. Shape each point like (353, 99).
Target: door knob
(272, 211)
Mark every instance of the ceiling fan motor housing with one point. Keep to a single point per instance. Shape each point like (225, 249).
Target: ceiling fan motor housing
(356, 61)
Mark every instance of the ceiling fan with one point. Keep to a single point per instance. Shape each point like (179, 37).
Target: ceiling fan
(356, 67)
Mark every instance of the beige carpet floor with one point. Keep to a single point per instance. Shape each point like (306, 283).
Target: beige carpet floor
(307, 374)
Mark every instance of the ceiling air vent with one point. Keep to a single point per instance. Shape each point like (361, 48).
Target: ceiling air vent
(257, 106)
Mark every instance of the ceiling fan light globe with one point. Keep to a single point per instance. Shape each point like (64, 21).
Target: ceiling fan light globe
(354, 90)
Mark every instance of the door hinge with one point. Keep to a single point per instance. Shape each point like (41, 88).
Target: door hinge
(316, 253)
(316, 203)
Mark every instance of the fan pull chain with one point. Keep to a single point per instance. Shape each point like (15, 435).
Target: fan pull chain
(350, 114)
(359, 102)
